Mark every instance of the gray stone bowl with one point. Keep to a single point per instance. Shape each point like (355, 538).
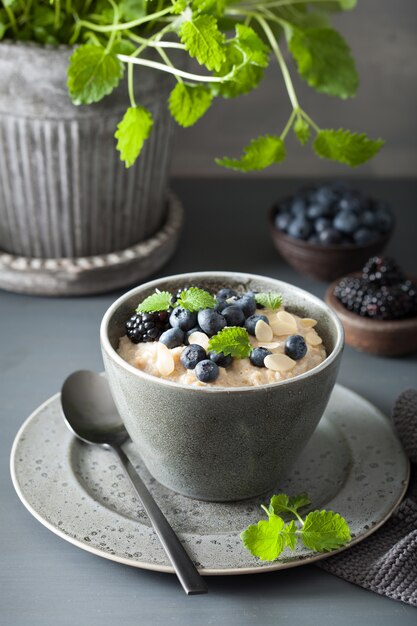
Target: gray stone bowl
(217, 443)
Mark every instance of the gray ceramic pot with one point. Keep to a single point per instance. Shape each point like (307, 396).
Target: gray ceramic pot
(216, 443)
(63, 189)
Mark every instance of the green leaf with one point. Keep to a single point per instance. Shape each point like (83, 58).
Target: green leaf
(282, 503)
(188, 103)
(252, 46)
(324, 60)
(132, 9)
(2, 30)
(264, 539)
(269, 299)
(92, 74)
(289, 535)
(179, 6)
(259, 154)
(159, 301)
(132, 132)
(194, 299)
(301, 130)
(213, 7)
(324, 530)
(203, 41)
(346, 147)
(232, 340)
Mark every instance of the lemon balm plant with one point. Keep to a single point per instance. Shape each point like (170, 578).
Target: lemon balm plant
(231, 42)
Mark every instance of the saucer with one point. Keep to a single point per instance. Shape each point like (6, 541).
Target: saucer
(354, 465)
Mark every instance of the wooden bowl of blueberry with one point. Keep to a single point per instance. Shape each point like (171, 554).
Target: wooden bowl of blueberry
(378, 308)
(329, 230)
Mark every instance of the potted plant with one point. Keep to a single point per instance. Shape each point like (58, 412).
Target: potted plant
(139, 65)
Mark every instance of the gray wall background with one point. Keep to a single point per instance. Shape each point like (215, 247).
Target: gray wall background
(383, 38)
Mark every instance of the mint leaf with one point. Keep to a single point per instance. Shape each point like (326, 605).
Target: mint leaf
(132, 132)
(92, 74)
(269, 300)
(187, 103)
(214, 7)
(264, 539)
(132, 9)
(259, 154)
(301, 130)
(203, 41)
(346, 147)
(232, 340)
(289, 534)
(159, 301)
(324, 60)
(282, 503)
(179, 6)
(194, 299)
(324, 530)
(252, 46)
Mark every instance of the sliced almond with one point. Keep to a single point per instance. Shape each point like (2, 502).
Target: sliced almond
(263, 331)
(313, 338)
(271, 346)
(279, 362)
(308, 322)
(284, 324)
(165, 361)
(200, 339)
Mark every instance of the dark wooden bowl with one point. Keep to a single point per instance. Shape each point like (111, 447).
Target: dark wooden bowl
(380, 337)
(324, 262)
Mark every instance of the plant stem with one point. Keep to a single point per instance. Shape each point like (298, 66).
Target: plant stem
(130, 85)
(288, 124)
(280, 3)
(310, 121)
(171, 70)
(11, 17)
(284, 69)
(266, 510)
(115, 22)
(125, 25)
(155, 44)
(57, 14)
(165, 57)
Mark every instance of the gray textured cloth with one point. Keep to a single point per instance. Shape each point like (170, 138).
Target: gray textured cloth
(386, 562)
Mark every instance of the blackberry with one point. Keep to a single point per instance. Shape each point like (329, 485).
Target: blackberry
(382, 271)
(144, 327)
(350, 290)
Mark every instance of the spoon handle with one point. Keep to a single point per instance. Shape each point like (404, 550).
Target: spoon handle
(185, 569)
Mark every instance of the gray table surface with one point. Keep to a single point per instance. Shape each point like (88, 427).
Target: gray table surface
(45, 581)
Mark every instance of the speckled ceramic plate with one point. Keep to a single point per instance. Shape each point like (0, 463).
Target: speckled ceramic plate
(354, 464)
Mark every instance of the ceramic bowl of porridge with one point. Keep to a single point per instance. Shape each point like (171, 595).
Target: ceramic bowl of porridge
(220, 378)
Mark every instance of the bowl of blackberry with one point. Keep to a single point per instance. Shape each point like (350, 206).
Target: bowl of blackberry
(326, 231)
(377, 307)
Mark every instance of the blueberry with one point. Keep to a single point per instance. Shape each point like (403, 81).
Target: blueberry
(346, 222)
(210, 321)
(247, 304)
(223, 360)
(221, 304)
(330, 236)
(295, 347)
(225, 293)
(233, 315)
(364, 236)
(195, 329)
(173, 337)
(257, 356)
(384, 217)
(298, 206)
(191, 355)
(300, 228)
(207, 371)
(350, 202)
(252, 321)
(183, 319)
(368, 219)
(325, 196)
(321, 223)
(317, 210)
(282, 221)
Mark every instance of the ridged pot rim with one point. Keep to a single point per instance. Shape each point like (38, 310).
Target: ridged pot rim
(236, 277)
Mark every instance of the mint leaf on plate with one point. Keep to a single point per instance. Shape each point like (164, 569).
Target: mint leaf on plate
(265, 539)
(233, 340)
(187, 103)
(259, 154)
(269, 299)
(92, 74)
(203, 41)
(132, 132)
(159, 301)
(282, 503)
(324, 530)
(194, 299)
(346, 147)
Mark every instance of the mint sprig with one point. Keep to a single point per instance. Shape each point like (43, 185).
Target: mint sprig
(194, 299)
(232, 340)
(158, 301)
(320, 531)
(269, 299)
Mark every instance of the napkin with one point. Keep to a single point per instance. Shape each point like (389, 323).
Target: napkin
(386, 562)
